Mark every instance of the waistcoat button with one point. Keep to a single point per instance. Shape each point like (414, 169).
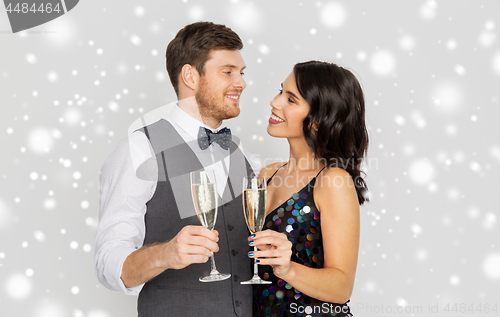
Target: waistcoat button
(230, 228)
(234, 252)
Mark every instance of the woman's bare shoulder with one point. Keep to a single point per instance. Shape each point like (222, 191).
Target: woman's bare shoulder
(269, 170)
(335, 181)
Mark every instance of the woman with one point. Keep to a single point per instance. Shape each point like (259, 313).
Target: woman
(311, 250)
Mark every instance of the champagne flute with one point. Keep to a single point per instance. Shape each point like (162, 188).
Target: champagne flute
(206, 201)
(254, 209)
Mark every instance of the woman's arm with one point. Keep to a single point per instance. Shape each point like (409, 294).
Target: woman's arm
(336, 198)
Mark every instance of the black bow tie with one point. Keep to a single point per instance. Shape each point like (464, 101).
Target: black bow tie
(207, 137)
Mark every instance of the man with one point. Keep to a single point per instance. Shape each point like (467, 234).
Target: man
(149, 240)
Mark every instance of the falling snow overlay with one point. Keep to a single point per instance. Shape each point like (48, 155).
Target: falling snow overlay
(430, 70)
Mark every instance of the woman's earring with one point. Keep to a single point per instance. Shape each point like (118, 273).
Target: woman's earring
(312, 125)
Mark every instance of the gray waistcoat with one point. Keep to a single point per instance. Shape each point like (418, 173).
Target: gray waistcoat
(179, 292)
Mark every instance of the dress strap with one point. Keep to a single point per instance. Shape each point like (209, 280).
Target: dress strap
(275, 173)
(320, 171)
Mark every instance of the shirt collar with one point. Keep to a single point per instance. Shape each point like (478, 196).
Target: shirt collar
(189, 124)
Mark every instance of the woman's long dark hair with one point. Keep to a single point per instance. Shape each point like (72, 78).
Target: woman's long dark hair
(338, 113)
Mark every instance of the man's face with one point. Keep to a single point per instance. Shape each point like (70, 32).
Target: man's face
(220, 88)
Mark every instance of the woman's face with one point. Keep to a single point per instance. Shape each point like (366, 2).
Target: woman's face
(289, 110)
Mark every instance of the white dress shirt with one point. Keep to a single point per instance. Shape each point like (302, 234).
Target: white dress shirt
(123, 196)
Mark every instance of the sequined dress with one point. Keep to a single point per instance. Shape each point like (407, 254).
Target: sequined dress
(299, 219)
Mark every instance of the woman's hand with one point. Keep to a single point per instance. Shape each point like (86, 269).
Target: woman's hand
(274, 250)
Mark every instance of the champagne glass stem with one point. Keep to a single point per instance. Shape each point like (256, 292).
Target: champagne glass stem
(212, 260)
(255, 266)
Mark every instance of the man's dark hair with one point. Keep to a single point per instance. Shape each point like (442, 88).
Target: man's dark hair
(193, 45)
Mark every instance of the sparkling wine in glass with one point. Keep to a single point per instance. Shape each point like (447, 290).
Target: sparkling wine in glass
(254, 209)
(205, 199)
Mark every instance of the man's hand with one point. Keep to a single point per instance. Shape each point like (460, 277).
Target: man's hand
(193, 244)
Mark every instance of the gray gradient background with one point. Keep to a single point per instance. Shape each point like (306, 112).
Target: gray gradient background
(70, 88)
